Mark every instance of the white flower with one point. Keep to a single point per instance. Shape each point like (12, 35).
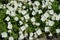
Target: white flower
(43, 18)
(15, 5)
(9, 31)
(34, 23)
(20, 4)
(26, 34)
(23, 28)
(30, 38)
(9, 26)
(22, 18)
(47, 0)
(53, 18)
(23, 0)
(47, 23)
(24, 7)
(4, 35)
(7, 18)
(51, 23)
(33, 13)
(19, 11)
(21, 36)
(9, 23)
(37, 3)
(30, 3)
(35, 9)
(46, 15)
(57, 17)
(16, 18)
(51, 11)
(49, 7)
(30, 9)
(39, 32)
(26, 16)
(23, 12)
(26, 25)
(47, 29)
(40, 11)
(50, 34)
(20, 22)
(35, 35)
(37, 24)
(20, 32)
(43, 6)
(33, 19)
(51, 0)
(57, 30)
(7, 12)
(12, 14)
(11, 38)
(31, 34)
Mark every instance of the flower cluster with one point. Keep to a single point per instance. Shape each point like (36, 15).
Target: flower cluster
(32, 19)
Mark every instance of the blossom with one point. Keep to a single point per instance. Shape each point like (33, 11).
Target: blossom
(50, 34)
(20, 22)
(33, 19)
(11, 38)
(20, 32)
(51, 23)
(20, 4)
(46, 15)
(12, 13)
(36, 3)
(33, 13)
(47, 29)
(51, 11)
(30, 38)
(57, 30)
(23, 12)
(9, 26)
(16, 18)
(34, 23)
(7, 18)
(26, 16)
(4, 34)
(21, 36)
(22, 18)
(24, 7)
(43, 18)
(30, 3)
(35, 35)
(23, 28)
(57, 17)
(49, 7)
(51, 0)
(39, 32)
(37, 24)
(53, 18)
(9, 31)
(26, 34)
(26, 25)
(31, 34)
(40, 11)
(8, 12)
